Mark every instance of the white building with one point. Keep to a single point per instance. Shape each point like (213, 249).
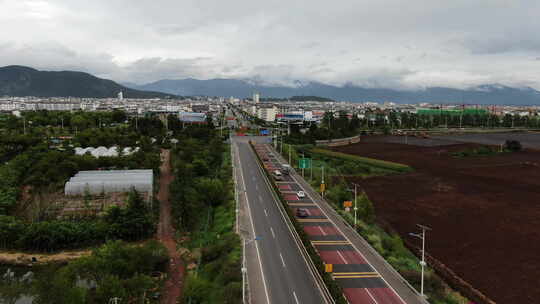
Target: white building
(120, 96)
(267, 113)
(256, 97)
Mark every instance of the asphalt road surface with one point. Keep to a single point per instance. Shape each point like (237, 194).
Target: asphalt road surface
(277, 272)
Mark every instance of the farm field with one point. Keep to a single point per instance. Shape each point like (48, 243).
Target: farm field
(484, 211)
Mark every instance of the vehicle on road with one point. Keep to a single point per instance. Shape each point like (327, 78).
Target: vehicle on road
(301, 212)
(278, 177)
(301, 194)
(277, 173)
(285, 169)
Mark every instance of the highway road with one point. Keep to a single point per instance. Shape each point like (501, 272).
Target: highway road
(363, 274)
(277, 272)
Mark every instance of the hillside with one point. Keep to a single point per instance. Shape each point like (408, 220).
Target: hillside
(486, 94)
(25, 81)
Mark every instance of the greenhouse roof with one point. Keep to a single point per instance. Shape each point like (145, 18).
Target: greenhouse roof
(108, 181)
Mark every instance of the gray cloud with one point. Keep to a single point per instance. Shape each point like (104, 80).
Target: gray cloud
(390, 43)
(502, 44)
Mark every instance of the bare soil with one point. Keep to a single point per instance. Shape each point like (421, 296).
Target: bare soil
(484, 211)
(25, 259)
(166, 234)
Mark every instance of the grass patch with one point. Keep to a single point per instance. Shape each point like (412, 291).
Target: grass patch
(381, 164)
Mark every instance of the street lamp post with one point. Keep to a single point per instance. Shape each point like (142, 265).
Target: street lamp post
(423, 261)
(303, 163)
(322, 182)
(355, 203)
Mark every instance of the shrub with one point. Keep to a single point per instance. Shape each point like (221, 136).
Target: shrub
(513, 145)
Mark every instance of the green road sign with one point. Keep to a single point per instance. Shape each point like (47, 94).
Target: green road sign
(304, 163)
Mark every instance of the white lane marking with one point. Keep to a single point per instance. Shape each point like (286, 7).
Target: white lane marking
(322, 231)
(295, 298)
(260, 198)
(370, 295)
(347, 238)
(253, 229)
(282, 260)
(273, 234)
(266, 213)
(342, 257)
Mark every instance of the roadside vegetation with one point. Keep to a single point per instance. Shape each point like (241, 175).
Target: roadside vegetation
(387, 243)
(509, 146)
(114, 270)
(203, 212)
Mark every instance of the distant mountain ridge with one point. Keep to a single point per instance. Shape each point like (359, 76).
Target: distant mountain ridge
(24, 81)
(493, 94)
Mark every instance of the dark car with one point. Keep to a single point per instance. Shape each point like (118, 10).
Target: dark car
(301, 212)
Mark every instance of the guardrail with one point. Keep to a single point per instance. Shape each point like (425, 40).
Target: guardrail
(331, 291)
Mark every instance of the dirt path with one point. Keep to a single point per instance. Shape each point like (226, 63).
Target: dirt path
(173, 286)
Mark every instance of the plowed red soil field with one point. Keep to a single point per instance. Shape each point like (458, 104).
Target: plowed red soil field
(484, 211)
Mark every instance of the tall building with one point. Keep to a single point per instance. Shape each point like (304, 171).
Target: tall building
(256, 97)
(267, 112)
(120, 96)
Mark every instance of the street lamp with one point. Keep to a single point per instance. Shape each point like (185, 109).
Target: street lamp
(423, 261)
(244, 268)
(355, 203)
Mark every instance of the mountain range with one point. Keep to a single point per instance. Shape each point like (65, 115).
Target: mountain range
(24, 81)
(492, 94)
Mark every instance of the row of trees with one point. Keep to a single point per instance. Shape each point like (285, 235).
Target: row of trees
(202, 204)
(70, 120)
(339, 125)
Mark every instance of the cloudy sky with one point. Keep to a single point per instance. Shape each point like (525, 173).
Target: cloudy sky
(375, 43)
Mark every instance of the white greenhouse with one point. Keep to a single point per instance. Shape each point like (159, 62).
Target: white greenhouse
(104, 151)
(110, 181)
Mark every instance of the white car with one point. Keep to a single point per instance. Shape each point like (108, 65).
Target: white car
(301, 194)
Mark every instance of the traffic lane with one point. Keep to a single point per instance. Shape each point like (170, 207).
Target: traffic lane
(289, 251)
(255, 277)
(276, 278)
(294, 281)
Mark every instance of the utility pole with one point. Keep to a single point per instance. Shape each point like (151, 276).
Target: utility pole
(355, 206)
(24, 125)
(423, 261)
(322, 182)
(311, 167)
(303, 163)
(281, 135)
(290, 155)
